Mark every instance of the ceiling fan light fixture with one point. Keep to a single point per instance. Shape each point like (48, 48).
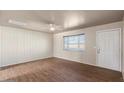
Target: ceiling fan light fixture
(52, 28)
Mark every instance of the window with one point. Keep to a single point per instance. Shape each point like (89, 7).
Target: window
(74, 42)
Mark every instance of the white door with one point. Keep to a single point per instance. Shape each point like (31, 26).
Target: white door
(109, 49)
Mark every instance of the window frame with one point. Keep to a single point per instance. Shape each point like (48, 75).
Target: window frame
(72, 49)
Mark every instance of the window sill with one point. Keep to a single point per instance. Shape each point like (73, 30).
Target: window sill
(74, 50)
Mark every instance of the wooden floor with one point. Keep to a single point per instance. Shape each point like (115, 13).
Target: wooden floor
(57, 70)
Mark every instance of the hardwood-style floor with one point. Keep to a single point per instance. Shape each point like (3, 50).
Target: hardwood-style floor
(57, 70)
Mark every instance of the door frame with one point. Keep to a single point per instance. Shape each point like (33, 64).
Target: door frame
(120, 31)
(0, 48)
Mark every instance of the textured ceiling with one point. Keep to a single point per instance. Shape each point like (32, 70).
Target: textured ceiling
(64, 20)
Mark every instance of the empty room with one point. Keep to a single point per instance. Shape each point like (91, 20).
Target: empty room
(61, 45)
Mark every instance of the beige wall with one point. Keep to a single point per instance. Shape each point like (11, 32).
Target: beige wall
(19, 45)
(89, 55)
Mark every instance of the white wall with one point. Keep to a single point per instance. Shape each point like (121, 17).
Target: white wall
(19, 45)
(89, 55)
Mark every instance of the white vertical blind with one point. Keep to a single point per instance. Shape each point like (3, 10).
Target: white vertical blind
(18, 45)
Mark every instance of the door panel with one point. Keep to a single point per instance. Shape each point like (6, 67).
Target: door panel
(108, 49)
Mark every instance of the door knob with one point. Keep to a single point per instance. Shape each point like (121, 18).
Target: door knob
(98, 51)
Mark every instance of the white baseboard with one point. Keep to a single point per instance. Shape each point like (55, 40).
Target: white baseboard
(83, 63)
(67, 59)
(25, 61)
